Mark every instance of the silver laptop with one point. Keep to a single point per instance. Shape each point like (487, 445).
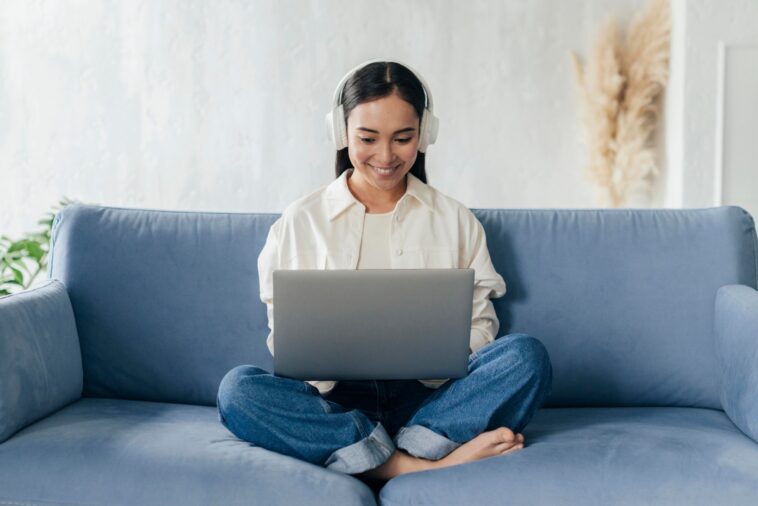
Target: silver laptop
(349, 324)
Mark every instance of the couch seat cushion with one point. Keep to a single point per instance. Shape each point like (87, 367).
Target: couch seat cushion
(122, 452)
(602, 456)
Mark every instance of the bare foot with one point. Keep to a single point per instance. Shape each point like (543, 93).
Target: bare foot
(399, 463)
(487, 444)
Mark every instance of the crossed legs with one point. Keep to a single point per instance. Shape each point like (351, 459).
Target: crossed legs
(466, 419)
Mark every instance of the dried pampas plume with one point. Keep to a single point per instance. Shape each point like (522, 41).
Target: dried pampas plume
(618, 92)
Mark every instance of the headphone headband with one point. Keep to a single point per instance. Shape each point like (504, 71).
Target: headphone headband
(337, 98)
(336, 125)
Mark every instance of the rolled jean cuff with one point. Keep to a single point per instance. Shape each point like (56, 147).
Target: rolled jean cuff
(424, 443)
(368, 453)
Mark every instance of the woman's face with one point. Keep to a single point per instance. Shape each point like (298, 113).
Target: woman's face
(383, 133)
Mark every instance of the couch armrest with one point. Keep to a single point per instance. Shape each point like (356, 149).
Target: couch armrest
(736, 333)
(40, 359)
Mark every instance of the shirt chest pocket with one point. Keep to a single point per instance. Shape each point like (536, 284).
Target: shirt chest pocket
(439, 258)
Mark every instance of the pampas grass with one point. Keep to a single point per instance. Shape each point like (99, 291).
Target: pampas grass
(618, 92)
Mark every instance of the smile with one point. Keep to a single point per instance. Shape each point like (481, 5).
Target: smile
(384, 172)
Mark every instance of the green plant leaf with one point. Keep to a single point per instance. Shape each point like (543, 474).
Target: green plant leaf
(18, 276)
(17, 246)
(16, 254)
(35, 250)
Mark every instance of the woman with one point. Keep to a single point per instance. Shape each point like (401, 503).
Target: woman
(380, 213)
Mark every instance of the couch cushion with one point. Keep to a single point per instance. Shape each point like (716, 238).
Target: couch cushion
(623, 299)
(165, 302)
(104, 451)
(602, 456)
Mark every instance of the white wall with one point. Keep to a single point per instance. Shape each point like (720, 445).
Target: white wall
(716, 86)
(220, 105)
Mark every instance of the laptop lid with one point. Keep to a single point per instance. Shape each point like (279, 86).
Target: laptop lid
(345, 324)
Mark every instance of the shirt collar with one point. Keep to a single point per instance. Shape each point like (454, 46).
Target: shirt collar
(339, 197)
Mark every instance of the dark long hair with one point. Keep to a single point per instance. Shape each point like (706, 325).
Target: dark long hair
(378, 80)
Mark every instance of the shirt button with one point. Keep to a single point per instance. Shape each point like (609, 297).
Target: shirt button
(399, 252)
(397, 217)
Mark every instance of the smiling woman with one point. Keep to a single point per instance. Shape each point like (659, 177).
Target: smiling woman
(371, 82)
(380, 213)
(381, 126)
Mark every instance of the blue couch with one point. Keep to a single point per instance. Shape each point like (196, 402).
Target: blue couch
(109, 370)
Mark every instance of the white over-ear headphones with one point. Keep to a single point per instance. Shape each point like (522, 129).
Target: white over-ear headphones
(336, 126)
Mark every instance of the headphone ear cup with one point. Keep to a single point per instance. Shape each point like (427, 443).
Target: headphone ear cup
(428, 130)
(340, 129)
(335, 128)
(423, 132)
(432, 128)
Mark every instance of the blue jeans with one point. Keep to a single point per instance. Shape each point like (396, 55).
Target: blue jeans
(359, 424)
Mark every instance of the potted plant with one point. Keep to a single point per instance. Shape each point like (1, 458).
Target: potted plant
(23, 259)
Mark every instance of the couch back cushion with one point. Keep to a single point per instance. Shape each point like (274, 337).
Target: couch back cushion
(623, 299)
(167, 302)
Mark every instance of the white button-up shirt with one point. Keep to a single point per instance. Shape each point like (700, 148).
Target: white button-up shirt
(323, 230)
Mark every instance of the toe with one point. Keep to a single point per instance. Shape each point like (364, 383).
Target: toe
(514, 448)
(505, 435)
